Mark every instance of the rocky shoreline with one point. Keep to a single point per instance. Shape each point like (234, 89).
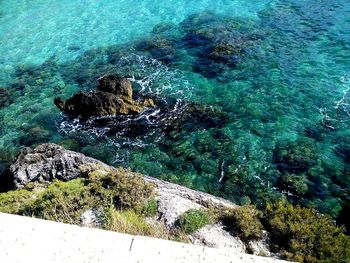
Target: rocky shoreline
(53, 183)
(49, 162)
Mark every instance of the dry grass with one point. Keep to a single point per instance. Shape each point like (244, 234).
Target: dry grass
(130, 222)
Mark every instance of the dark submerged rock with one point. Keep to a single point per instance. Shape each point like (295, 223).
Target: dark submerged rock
(226, 52)
(217, 42)
(161, 48)
(36, 135)
(318, 133)
(74, 48)
(198, 19)
(343, 151)
(4, 97)
(195, 116)
(163, 27)
(296, 157)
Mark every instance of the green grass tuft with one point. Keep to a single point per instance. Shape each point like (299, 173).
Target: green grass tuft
(150, 209)
(193, 219)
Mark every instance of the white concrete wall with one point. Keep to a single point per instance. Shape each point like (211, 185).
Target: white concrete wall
(24, 239)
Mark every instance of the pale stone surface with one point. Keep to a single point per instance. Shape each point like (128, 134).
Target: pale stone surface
(171, 206)
(206, 200)
(215, 236)
(91, 218)
(174, 200)
(261, 247)
(24, 239)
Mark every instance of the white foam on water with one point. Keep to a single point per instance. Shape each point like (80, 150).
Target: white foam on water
(344, 102)
(156, 80)
(340, 111)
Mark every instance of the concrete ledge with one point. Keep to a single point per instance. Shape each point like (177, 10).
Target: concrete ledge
(25, 239)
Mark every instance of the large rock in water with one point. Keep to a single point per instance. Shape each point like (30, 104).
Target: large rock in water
(113, 97)
(48, 162)
(97, 104)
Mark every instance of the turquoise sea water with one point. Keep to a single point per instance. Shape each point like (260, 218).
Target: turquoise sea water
(274, 73)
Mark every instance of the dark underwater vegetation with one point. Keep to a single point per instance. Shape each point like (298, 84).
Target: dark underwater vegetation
(272, 92)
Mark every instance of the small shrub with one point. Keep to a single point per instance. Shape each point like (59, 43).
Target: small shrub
(193, 219)
(150, 209)
(304, 235)
(123, 190)
(244, 222)
(66, 201)
(61, 202)
(11, 202)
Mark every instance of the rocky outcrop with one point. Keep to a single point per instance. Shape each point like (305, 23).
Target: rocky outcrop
(174, 200)
(48, 162)
(113, 97)
(97, 104)
(216, 236)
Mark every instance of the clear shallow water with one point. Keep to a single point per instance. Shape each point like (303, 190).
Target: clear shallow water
(275, 73)
(33, 31)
